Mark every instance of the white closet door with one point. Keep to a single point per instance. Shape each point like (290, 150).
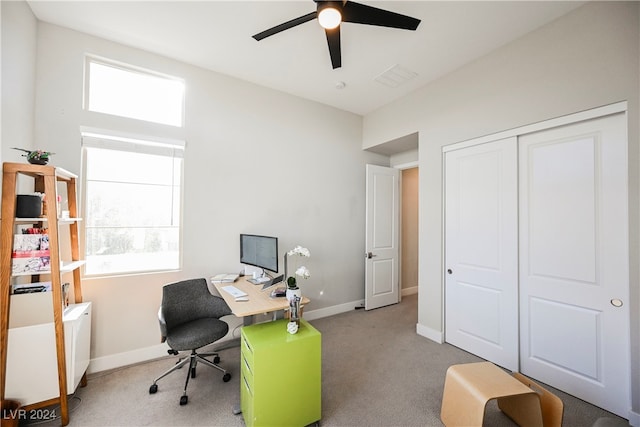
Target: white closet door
(481, 251)
(574, 274)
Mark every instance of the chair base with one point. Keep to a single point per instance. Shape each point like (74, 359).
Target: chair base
(193, 359)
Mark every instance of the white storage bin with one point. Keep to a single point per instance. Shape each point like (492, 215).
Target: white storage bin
(32, 368)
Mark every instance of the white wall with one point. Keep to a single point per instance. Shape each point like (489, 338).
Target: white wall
(257, 161)
(583, 60)
(0, 84)
(18, 79)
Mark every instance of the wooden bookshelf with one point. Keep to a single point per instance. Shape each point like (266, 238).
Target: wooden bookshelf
(45, 180)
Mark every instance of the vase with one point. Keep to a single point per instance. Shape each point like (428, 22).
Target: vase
(294, 297)
(293, 292)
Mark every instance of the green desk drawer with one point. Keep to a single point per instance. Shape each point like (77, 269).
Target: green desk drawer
(246, 398)
(246, 349)
(247, 372)
(280, 375)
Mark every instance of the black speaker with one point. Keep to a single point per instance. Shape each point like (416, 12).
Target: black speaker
(28, 206)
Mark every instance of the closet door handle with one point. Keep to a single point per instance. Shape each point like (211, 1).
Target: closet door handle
(449, 271)
(369, 255)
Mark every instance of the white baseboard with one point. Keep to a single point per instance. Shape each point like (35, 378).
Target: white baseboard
(432, 334)
(412, 290)
(127, 358)
(634, 419)
(330, 311)
(154, 352)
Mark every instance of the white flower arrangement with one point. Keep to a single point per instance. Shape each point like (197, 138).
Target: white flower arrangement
(299, 250)
(301, 271)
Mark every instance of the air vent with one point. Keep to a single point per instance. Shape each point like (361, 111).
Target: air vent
(395, 76)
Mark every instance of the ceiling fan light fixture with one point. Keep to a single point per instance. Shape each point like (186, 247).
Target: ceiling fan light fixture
(329, 18)
(330, 13)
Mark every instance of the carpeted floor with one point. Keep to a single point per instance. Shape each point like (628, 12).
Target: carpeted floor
(376, 371)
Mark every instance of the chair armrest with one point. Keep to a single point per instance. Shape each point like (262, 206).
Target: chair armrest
(163, 325)
(219, 307)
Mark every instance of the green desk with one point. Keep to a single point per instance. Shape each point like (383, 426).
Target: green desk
(280, 384)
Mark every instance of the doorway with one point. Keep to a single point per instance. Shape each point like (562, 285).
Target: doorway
(403, 160)
(409, 232)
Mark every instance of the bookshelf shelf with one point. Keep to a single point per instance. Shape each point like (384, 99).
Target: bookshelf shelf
(60, 220)
(66, 267)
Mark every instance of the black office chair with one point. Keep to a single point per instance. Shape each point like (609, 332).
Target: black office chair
(190, 319)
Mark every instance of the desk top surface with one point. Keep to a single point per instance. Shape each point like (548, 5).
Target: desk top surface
(259, 302)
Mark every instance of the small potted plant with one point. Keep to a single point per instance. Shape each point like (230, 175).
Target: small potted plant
(36, 157)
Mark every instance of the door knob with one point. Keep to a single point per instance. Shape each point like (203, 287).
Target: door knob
(370, 255)
(616, 302)
(450, 271)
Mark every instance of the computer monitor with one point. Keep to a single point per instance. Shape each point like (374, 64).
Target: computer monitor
(259, 251)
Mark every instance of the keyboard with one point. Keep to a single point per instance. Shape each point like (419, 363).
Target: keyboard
(234, 292)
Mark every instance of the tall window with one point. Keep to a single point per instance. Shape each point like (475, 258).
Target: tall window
(132, 205)
(132, 185)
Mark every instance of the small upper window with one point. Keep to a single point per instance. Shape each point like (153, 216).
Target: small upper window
(129, 92)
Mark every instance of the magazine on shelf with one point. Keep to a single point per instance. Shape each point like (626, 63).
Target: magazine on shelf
(30, 253)
(29, 288)
(30, 242)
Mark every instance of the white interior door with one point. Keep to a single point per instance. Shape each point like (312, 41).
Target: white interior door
(382, 237)
(574, 273)
(481, 257)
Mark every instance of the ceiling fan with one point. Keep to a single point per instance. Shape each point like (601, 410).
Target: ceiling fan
(331, 13)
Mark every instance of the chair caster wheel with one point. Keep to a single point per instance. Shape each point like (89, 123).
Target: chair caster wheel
(216, 359)
(153, 388)
(226, 377)
(184, 400)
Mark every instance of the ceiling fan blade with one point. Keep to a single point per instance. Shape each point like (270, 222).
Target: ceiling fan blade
(333, 40)
(285, 26)
(362, 14)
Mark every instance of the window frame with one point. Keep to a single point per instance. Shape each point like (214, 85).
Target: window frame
(98, 138)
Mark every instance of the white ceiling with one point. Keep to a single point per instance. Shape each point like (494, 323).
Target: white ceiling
(216, 35)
